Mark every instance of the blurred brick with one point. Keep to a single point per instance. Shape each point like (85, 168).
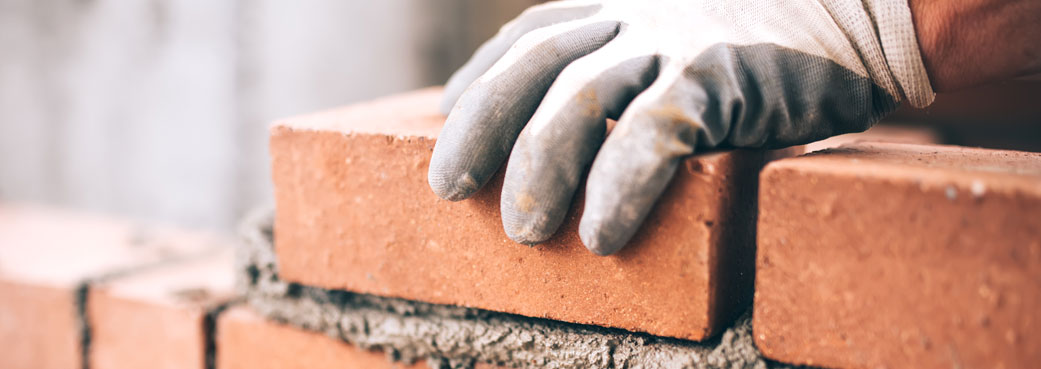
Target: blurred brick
(354, 212)
(247, 341)
(160, 317)
(38, 325)
(47, 257)
(882, 255)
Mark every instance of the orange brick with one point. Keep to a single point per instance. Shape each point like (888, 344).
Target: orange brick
(245, 340)
(46, 258)
(881, 255)
(354, 212)
(38, 326)
(159, 318)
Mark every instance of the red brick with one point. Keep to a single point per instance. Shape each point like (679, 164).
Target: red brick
(46, 255)
(355, 213)
(247, 341)
(881, 255)
(157, 318)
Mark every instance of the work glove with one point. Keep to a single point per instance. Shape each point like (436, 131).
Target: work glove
(680, 77)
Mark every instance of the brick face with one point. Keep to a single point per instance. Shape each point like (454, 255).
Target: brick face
(158, 318)
(893, 255)
(135, 334)
(354, 212)
(247, 341)
(38, 326)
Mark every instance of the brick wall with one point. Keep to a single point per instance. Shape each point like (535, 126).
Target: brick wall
(861, 254)
(81, 290)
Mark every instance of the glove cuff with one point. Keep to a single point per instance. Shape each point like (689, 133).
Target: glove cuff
(883, 34)
(900, 45)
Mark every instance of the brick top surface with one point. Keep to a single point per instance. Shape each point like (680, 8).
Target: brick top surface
(981, 167)
(413, 114)
(63, 247)
(198, 282)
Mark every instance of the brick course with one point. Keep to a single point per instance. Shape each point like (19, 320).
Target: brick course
(415, 330)
(48, 260)
(896, 255)
(247, 341)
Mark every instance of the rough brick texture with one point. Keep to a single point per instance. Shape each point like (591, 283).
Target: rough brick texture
(161, 317)
(354, 212)
(895, 255)
(247, 341)
(48, 258)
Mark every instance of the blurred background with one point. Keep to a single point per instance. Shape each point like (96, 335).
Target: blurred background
(158, 109)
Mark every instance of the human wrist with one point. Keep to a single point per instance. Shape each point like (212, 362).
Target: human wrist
(971, 42)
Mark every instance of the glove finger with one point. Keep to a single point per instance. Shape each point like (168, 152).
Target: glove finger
(488, 53)
(638, 160)
(558, 144)
(482, 127)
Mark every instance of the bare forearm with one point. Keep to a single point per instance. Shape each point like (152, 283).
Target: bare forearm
(971, 42)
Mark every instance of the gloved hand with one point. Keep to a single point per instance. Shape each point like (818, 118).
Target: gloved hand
(680, 76)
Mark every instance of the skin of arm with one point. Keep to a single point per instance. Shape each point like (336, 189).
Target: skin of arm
(971, 42)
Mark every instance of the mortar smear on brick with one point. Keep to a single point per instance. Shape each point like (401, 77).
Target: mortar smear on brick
(457, 337)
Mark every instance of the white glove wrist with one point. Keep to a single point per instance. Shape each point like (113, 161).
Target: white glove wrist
(884, 34)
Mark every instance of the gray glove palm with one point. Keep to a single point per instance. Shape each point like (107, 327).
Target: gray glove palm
(679, 76)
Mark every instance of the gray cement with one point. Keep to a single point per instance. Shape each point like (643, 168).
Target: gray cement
(457, 337)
